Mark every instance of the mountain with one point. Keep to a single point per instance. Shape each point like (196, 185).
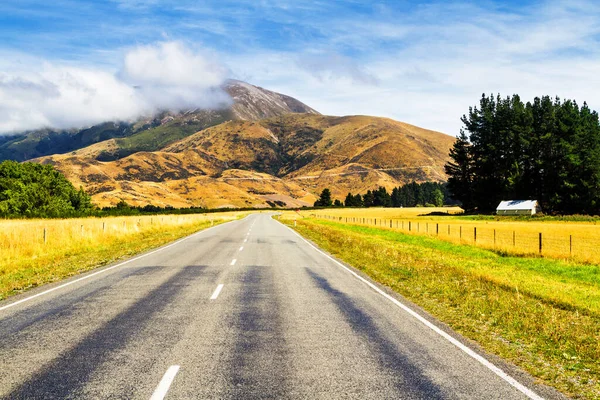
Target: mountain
(251, 103)
(286, 159)
(151, 133)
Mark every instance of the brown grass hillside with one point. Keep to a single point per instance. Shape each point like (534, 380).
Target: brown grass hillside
(289, 158)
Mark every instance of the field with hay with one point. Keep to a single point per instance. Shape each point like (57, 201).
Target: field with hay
(38, 251)
(563, 239)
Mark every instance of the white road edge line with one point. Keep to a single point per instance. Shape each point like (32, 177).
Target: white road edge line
(233, 261)
(512, 381)
(165, 383)
(217, 291)
(107, 269)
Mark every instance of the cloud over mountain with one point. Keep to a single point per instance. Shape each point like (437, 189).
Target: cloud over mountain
(167, 75)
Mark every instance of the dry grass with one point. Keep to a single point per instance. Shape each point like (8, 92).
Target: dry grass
(560, 239)
(541, 314)
(308, 152)
(75, 245)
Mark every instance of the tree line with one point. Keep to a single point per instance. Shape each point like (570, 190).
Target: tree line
(35, 190)
(30, 190)
(414, 194)
(546, 150)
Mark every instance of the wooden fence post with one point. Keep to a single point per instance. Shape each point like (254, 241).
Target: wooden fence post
(570, 245)
(475, 235)
(540, 242)
(45, 236)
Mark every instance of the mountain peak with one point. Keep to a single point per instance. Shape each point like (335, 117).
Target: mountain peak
(249, 103)
(254, 102)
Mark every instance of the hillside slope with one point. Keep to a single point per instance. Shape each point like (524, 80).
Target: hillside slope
(249, 102)
(288, 158)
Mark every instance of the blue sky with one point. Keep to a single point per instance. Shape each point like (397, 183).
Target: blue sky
(420, 62)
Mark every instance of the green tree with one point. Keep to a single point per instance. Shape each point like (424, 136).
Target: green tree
(35, 190)
(324, 199)
(548, 150)
(368, 199)
(349, 201)
(460, 172)
(437, 198)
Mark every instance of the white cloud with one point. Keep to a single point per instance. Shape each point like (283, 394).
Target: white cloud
(170, 75)
(165, 76)
(445, 57)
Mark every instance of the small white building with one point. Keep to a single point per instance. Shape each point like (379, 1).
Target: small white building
(518, 207)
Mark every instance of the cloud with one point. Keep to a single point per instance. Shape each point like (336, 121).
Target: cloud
(420, 62)
(168, 75)
(327, 67)
(172, 76)
(436, 60)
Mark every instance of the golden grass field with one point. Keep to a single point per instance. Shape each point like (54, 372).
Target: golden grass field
(560, 239)
(37, 251)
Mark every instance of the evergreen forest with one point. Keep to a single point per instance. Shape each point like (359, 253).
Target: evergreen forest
(546, 150)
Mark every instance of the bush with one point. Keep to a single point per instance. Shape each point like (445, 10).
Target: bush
(35, 190)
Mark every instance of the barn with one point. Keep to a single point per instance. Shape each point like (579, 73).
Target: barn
(518, 207)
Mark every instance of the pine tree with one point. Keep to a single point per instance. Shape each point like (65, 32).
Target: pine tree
(368, 199)
(460, 172)
(349, 201)
(324, 199)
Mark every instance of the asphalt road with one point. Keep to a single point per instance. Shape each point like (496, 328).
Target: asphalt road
(244, 310)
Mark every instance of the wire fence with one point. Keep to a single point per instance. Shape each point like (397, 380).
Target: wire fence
(21, 239)
(518, 240)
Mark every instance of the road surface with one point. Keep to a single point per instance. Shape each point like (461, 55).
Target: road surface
(244, 310)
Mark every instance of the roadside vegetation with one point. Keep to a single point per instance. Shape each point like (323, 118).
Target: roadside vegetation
(35, 190)
(426, 194)
(568, 238)
(541, 314)
(38, 251)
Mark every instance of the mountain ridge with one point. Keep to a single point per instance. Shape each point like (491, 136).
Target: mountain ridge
(151, 133)
(289, 158)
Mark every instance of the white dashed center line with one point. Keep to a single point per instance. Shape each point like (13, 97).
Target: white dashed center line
(241, 248)
(163, 387)
(233, 261)
(217, 291)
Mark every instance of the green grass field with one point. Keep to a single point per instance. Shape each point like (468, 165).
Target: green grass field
(575, 238)
(541, 314)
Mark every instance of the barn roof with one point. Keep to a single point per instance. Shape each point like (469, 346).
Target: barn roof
(517, 205)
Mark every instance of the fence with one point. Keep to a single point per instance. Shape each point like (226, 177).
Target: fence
(34, 238)
(521, 239)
